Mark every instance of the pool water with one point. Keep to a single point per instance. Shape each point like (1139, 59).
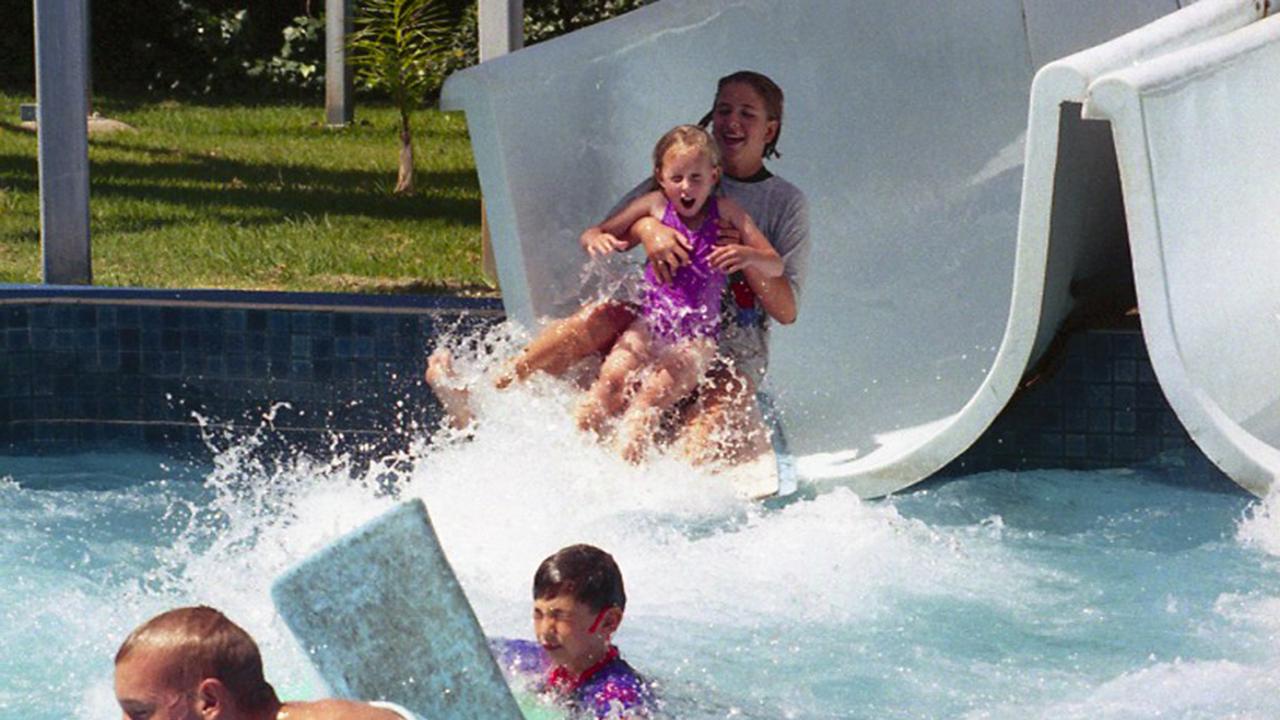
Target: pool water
(1055, 594)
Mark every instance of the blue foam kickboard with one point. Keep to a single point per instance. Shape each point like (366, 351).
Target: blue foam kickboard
(383, 617)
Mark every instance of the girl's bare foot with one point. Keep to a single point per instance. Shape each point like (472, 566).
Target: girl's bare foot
(453, 397)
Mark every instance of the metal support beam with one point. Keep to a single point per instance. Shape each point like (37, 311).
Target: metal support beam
(339, 86)
(501, 32)
(501, 27)
(61, 28)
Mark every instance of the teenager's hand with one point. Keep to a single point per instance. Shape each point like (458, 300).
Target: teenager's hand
(732, 258)
(727, 234)
(667, 248)
(598, 244)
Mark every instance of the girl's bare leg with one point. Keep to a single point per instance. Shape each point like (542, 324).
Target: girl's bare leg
(558, 347)
(725, 424)
(591, 330)
(607, 395)
(673, 376)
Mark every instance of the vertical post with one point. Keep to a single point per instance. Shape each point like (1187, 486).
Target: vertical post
(88, 58)
(339, 86)
(63, 144)
(501, 31)
(501, 27)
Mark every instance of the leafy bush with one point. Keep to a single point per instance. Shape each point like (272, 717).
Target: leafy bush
(235, 48)
(299, 64)
(545, 19)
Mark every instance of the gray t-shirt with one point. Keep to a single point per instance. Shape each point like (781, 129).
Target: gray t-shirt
(781, 212)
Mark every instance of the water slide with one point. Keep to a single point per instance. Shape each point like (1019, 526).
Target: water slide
(1199, 158)
(960, 213)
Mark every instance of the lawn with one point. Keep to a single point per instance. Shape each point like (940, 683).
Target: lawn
(257, 196)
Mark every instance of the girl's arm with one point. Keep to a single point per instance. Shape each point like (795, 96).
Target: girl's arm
(607, 237)
(744, 247)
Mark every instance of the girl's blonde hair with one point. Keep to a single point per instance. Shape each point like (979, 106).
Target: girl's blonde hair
(686, 136)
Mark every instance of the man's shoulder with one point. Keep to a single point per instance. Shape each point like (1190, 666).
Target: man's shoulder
(334, 709)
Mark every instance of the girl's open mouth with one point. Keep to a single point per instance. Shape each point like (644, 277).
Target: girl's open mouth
(687, 203)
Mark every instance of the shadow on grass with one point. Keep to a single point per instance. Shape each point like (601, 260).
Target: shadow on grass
(289, 189)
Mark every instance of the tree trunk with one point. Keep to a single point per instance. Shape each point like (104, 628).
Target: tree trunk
(404, 183)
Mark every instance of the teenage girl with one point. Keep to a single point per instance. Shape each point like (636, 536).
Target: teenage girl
(663, 353)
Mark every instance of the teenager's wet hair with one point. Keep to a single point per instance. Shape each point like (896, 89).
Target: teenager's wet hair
(768, 91)
(586, 573)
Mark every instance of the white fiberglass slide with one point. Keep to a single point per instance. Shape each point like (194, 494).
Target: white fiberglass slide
(1199, 149)
(905, 124)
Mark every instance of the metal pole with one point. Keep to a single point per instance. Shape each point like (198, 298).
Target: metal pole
(501, 27)
(339, 85)
(63, 144)
(501, 31)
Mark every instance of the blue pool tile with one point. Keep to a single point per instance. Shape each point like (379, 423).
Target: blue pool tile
(237, 320)
(171, 364)
(193, 364)
(128, 316)
(170, 318)
(1124, 397)
(1074, 446)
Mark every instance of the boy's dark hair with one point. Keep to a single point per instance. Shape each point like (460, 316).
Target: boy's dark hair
(768, 91)
(200, 642)
(586, 573)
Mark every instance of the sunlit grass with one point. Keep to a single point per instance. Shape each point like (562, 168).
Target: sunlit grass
(257, 196)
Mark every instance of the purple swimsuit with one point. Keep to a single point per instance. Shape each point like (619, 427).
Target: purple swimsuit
(688, 307)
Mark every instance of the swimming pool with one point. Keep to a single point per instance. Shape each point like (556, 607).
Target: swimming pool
(1088, 594)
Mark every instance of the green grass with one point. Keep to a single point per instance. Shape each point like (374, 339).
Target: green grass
(257, 196)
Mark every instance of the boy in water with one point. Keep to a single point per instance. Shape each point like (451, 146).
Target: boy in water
(192, 663)
(578, 602)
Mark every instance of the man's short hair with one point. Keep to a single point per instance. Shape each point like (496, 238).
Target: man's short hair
(200, 642)
(586, 573)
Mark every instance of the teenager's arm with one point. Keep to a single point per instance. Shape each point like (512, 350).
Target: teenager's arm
(744, 247)
(666, 247)
(609, 235)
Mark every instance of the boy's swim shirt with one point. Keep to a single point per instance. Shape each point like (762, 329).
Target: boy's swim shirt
(610, 689)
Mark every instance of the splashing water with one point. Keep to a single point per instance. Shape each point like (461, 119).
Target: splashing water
(1107, 594)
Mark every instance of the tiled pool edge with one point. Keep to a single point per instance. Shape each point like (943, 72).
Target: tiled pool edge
(88, 367)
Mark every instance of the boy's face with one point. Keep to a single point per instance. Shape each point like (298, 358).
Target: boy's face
(687, 178)
(572, 634)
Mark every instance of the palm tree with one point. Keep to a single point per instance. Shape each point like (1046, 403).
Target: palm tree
(394, 46)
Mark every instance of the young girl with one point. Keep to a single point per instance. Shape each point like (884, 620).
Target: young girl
(725, 422)
(660, 357)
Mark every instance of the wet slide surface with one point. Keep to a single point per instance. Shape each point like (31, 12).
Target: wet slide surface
(949, 223)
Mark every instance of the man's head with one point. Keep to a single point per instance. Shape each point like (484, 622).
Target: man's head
(191, 663)
(578, 601)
